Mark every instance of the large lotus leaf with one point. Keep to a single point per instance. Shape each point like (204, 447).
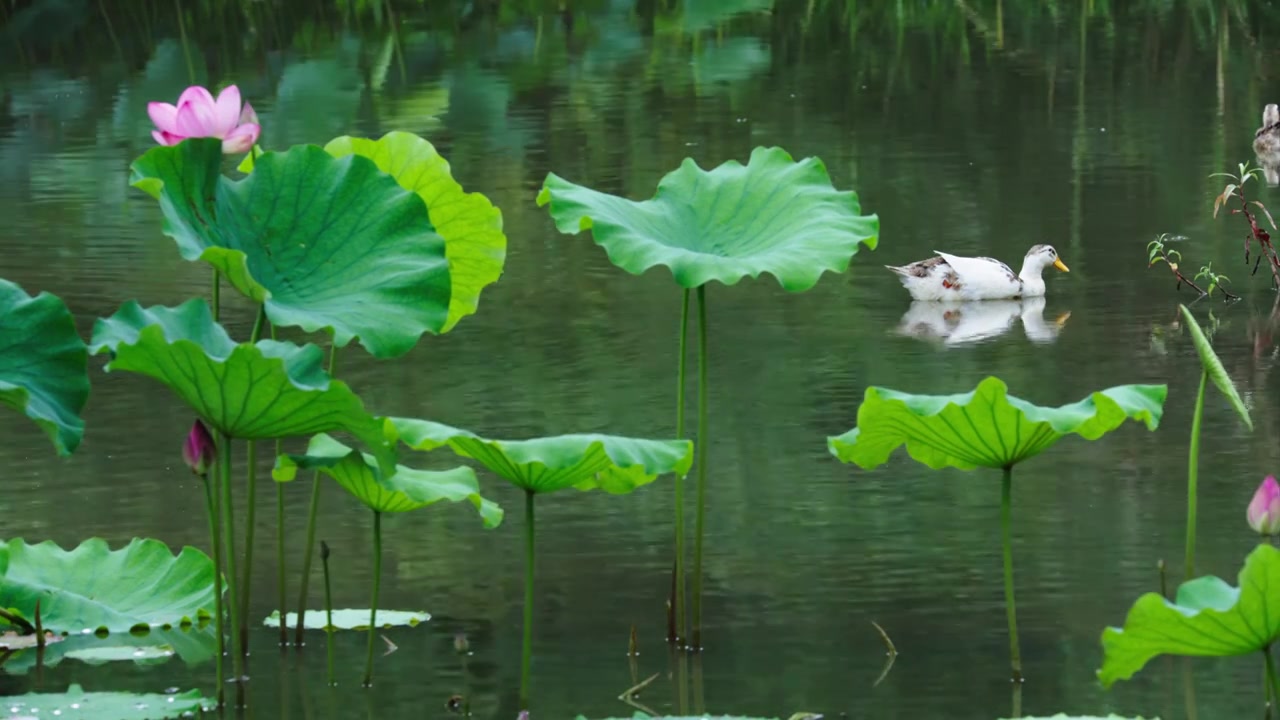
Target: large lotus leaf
(986, 427)
(193, 644)
(772, 216)
(94, 588)
(1208, 618)
(324, 242)
(76, 704)
(1213, 366)
(470, 225)
(43, 364)
(614, 464)
(408, 489)
(255, 392)
(349, 619)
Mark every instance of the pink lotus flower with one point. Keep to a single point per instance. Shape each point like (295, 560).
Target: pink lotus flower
(1264, 510)
(198, 450)
(198, 115)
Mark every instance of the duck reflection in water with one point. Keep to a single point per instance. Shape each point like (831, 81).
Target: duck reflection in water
(1266, 144)
(979, 321)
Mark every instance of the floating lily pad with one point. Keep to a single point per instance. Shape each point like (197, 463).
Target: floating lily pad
(43, 364)
(409, 489)
(986, 427)
(542, 465)
(772, 216)
(326, 243)
(94, 588)
(1208, 618)
(76, 704)
(194, 645)
(254, 392)
(350, 619)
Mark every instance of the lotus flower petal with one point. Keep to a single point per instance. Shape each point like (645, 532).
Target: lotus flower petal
(241, 139)
(226, 112)
(164, 115)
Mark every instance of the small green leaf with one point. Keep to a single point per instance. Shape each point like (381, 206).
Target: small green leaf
(614, 464)
(772, 216)
(1209, 619)
(408, 489)
(254, 392)
(1213, 366)
(325, 243)
(43, 364)
(986, 427)
(95, 588)
(349, 619)
(76, 704)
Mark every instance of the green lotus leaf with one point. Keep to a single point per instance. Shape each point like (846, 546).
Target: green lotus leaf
(193, 644)
(772, 216)
(43, 364)
(586, 461)
(408, 489)
(254, 392)
(76, 704)
(94, 588)
(470, 225)
(1213, 366)
(325, 243)
(986, 427)
(349, 619)
(1208, 618)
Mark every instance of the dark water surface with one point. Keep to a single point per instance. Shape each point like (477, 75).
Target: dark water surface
(976, 128)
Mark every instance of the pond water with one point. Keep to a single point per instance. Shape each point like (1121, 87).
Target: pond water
(977, 128)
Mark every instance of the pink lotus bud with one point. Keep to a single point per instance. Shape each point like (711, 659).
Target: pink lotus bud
(1264, 509)
(197, 114)
(198, 450)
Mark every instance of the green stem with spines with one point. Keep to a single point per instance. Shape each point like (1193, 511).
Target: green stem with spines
(251, 470)
(328, 609)
(377, 583)
(526, 645)
(703, 448)
(312, 512)
(215, 539)
(1010, 607)
(1193, 472)
(681, 629)
(229, 535)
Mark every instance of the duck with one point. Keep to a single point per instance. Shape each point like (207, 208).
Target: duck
(951, 277)
(1266, 139)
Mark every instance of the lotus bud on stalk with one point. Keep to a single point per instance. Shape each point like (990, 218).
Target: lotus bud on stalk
(1264, 509)
(199, 115)
(199, 449)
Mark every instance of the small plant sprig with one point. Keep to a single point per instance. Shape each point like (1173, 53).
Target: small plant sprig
(1235, 189)
(1158, 252)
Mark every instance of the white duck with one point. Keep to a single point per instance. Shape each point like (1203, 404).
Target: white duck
(949, 277)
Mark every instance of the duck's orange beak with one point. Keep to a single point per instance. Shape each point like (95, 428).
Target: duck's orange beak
(1060, 265)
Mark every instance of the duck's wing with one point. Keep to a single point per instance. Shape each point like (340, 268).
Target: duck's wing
(919, 269)
(979, 269)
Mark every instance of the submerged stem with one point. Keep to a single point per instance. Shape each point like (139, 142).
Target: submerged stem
(229, 535)
(216, 295)
(328, 608)
(1273, 690)
(526, 651)
(1193, 472)
(703, 448)
(312, 511)
(678, 633)
(1011, 608)
(215, 539)
(373, 609)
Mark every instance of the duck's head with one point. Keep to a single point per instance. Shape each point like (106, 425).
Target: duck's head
(1040, 257)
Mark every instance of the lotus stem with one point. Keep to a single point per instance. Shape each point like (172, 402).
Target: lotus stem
(1273, 689)
(526, 650)
(1193, 472)
(1011, 607)
(251, 469)
(216, 295)
(328, 608)
(702, 450)
(311, 527)
(373, 608)
(677, 633)
(280, 574)
(229, 534)
(215, 538)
